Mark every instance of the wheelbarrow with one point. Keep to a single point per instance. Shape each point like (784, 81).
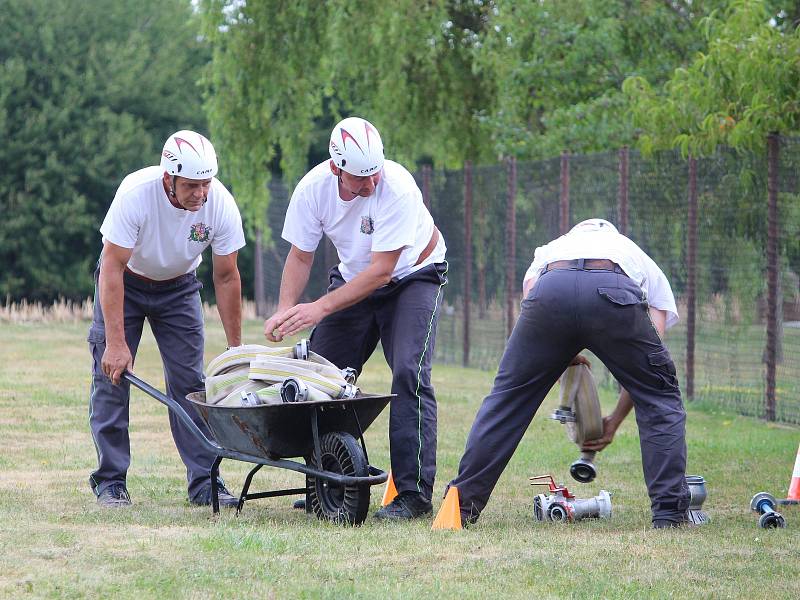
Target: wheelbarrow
(328, 435)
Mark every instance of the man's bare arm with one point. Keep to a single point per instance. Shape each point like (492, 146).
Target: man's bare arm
(377, 274)
(117, 356)
(296, 271)
(228, 290)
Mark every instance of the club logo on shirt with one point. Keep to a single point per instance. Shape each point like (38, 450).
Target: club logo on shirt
(367, 225)
(199, 232)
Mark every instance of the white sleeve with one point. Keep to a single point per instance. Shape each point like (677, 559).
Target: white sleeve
(396, 223)
(302, 227)
(230, 235)
(659, 292)
(122, 222)
(536, 267)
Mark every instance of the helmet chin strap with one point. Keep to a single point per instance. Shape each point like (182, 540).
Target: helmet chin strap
(343, 186)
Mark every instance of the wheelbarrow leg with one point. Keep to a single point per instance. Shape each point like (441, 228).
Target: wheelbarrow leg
(360, 432)
(315, 436)
(247, 481)
(214, 486)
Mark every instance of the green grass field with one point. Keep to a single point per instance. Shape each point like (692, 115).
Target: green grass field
(58, 544)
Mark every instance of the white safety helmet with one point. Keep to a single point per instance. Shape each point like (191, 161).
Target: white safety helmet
(594, 225)
(356, 147)
(189, 154)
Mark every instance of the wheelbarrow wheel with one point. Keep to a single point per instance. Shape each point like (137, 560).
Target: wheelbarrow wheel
(341, 454)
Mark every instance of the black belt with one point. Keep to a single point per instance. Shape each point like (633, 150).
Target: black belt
(154, 281)
(586, 264)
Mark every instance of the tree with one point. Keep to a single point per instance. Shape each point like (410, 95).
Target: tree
(742, 88)
(410, 69)
(559, 68)
(86, 96)
(739, 91)
(264, 89)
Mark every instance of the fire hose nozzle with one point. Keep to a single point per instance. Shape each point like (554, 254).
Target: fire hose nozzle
(301, 350)
(764, 504)
(350, 375)
(294, 390)
(563, 414)
(583, 469)
(348, 391)
(559, 509)
(562, 506)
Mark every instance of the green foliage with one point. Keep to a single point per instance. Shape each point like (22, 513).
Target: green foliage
(743, 87)
(263, 90)
(559, 67)
(409, 67)
(86, 96)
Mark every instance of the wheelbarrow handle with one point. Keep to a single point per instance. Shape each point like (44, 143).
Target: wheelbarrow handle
(176, 409)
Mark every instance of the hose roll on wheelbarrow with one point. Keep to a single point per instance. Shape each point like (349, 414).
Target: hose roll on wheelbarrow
(579, 412)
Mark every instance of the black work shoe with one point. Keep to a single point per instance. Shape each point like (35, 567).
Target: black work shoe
(203, 498)
(407, 505)
(684, 523)
(466, 521)
(666, 524)
(299, 504)
(114, 496)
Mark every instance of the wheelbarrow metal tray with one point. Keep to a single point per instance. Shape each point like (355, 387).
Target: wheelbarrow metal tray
(285, 430)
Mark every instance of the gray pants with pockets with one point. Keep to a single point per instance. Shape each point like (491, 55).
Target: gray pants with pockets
(568, 311)
(175, 314)
(403, 315)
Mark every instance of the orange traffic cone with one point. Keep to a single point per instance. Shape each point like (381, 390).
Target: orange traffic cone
(794, 486)
(390, 493)
(449, 515)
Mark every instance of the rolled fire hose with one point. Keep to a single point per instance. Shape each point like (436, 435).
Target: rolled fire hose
(579, 411)
(218, 387)
(321, 377)
(253, 394)
(241, 356)
(297, 390)
(253, 374)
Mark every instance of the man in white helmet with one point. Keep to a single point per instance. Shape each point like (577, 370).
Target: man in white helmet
(387, 287)
(161, 220)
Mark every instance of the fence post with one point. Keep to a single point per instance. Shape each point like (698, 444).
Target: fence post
(467, 257)
(258, 279)
(426, 186)
(773, 149)
(623, 190)
(691, 284)
(511, 244)
(563, 207)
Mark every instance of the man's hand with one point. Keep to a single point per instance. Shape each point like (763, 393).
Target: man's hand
(580, 360)
(610, 426)
(271, 328)
(293, 320)
(116, 360)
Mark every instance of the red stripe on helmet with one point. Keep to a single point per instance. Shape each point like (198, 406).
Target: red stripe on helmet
(345, 135)
(180, 141)
(367, 129)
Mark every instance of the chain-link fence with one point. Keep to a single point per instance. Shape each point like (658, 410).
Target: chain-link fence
(704, 221)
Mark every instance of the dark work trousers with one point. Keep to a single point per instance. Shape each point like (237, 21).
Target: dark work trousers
(403, 315)
(176, 319)
(565, 312)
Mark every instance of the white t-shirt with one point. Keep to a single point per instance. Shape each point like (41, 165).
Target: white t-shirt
(168, 242)
(393, 217)
(597, 238)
